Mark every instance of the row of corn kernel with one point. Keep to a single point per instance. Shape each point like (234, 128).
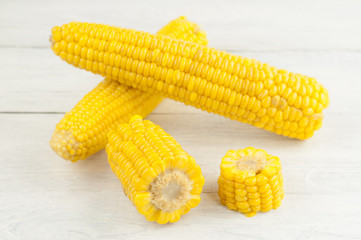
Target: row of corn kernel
(282, 119)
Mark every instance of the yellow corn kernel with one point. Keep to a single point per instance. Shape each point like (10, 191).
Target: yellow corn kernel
(82, 131)
(256, 179)
(233, 86)
(158, 176)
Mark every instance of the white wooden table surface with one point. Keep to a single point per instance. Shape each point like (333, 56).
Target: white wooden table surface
(45, 197)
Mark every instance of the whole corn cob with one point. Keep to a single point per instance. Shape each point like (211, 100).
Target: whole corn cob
(158, 176)
(251, 180)
(83, 131)
(236, 87)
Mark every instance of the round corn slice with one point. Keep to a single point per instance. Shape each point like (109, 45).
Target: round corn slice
(256, 179)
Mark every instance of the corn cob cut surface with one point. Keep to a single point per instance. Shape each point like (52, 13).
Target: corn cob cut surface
(236, 87)
(158, 176)
(83, 131)
(251, 181)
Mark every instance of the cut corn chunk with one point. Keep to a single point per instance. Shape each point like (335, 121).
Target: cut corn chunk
(254, 177)
(158, 176)
(236, 87)
(82, 131)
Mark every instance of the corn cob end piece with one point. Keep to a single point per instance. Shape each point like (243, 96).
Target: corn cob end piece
(157, 175)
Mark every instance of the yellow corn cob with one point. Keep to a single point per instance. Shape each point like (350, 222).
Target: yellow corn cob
(82, 131)
(235, 87)
(158, 176)
(251, 180)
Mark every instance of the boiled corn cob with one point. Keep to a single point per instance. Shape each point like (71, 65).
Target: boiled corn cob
(158, 176)
(82, 131)
(251, 181)
(236, 87)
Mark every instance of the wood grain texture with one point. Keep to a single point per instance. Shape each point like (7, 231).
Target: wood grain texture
(45, 197)
(231, 24)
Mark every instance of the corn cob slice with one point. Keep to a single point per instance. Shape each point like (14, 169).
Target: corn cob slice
(236, 87)
(251, 181)
(82, 131)
(159, 177)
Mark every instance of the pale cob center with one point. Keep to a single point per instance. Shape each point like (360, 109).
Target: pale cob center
(170, 190)
(64, 144)
(251, 163)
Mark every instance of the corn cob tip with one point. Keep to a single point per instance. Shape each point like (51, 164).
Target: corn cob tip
(64, 144)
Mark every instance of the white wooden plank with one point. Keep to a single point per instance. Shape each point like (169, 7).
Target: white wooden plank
(45, 197)
(243, 25)
(42, 196)
(109, 215)
(35, 80)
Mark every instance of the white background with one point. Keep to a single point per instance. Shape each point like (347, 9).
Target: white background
(45, 197)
